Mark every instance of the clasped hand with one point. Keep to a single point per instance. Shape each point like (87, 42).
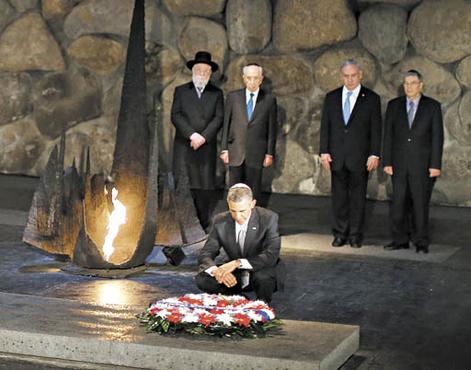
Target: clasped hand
(196, 140)
(223, 274)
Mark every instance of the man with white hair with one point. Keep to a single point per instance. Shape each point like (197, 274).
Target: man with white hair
(249, 237)
(249, 131)
(197, 114)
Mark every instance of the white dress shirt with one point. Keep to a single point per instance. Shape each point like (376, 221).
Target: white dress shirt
(353, 98)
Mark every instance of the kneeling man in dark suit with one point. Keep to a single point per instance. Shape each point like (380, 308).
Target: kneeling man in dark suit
(249, 236)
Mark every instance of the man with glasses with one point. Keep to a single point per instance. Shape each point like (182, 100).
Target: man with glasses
(197, 114)
(413, 146)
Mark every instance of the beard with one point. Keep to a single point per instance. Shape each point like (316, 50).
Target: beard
(200, 82)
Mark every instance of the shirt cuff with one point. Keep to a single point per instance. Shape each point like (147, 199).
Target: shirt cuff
(210, 270)
(244, 264)
(373, 156)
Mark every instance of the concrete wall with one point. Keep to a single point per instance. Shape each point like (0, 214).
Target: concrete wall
(62, 61)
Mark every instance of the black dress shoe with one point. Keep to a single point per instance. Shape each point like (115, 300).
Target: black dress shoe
(355, 242)
(338, 241)
(393, 246)
(421, 248)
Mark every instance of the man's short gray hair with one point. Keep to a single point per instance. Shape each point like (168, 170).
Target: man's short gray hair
(413, 73)
(349, 62)
(252, 65)
(239, 192)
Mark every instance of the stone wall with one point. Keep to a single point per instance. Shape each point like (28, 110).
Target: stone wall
(61, 67)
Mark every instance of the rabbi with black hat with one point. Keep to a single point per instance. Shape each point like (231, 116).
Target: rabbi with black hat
(197, 114)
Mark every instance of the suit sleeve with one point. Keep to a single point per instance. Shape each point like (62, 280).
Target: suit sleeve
(376, 128)
(227, 123)
(271, 247)
(437, 138)
(212, 128)
(388, 133)
(325, 129)
(272, 128)
(210, 250)
(178, 118)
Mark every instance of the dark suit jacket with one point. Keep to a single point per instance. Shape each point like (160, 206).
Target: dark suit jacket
(417, 149)
(245, 140)
(261, 247)
(191, 114)
(351, 145)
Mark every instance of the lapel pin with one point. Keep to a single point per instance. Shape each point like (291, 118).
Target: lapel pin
(254, 228)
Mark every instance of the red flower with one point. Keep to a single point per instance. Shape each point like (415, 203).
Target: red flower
(206, 319)
(190, 300)
(241, 302)
(154, 310)
(175, 318)
(241, 319)
(216, 311)
(223, 303)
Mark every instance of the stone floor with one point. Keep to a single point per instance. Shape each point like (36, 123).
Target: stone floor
(413, 313)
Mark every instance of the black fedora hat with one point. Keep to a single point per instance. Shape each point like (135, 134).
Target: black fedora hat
(203, 57)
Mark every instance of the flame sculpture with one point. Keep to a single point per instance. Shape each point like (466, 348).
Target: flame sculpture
(70, 212)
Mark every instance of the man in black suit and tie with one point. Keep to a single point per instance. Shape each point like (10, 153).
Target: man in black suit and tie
(249, 133)
(249, 236)
(350, 144)
(413, 147)
(197, 114)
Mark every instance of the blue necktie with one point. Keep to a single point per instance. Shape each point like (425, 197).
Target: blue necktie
(250, 107)
(410, 113)
(346, 108)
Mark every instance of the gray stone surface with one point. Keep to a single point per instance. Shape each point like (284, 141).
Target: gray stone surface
(162, 65)
(441, 30)
(327, 67)
(455, 176)
(15, 98)
(6, 13)
(246, 35)
(57, 8)
(439, 83)
(284, 75)
(382, 31)
(463, 71)
(65, 99)
(23, 5)
(21, 144)
(202, 8)
(26, 44)
(101, 55)
(305, 25)
(405, 3)
(114, 17)
(203, 34)
(111, 335)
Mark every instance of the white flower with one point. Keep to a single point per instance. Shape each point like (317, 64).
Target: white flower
(163, 313)
(190, 317)
(254, 316)
(225, 319)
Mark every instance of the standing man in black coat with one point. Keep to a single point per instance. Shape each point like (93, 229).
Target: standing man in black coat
(413, 147)
(350, 144)
(197, 114)
(249, 133)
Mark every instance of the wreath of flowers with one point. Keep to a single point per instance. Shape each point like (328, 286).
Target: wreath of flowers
(209, 314)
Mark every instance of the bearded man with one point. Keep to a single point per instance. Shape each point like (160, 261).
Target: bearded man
(197, 114)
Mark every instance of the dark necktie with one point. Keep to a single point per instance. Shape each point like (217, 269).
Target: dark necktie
(250, 107)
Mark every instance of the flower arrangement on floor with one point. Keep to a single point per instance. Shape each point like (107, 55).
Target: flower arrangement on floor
(210, 314)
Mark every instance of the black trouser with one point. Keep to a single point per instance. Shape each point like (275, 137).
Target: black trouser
(348, 202)
(204, 203)
(411, 197)
(263, 282)
(251, 176)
